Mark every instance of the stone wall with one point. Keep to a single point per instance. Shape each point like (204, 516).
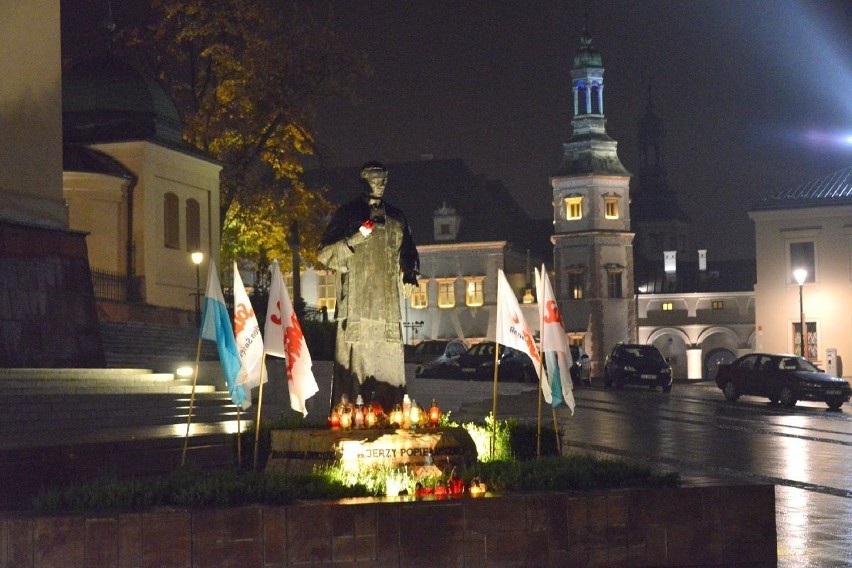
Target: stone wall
(719, 526)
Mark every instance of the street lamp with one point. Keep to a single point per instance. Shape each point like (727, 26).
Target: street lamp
(800, 274)
(197, 259)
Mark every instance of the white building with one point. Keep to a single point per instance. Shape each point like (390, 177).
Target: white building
(807, 227)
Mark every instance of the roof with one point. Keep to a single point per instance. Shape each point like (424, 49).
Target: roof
(833, 189)
(720, 276)
(105, 99)
(77, 158)
(487, 209)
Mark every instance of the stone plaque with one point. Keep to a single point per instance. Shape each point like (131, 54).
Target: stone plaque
(299, 451)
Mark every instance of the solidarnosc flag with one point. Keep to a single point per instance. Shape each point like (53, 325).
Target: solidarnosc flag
(216, 326)
(249, 340)
(512, 329)
(284, 338)
(556, 385)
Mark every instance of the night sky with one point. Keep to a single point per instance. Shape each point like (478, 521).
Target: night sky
(755, 95)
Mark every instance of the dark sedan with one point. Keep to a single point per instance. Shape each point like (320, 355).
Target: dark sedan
(477, 363)
(783, 379)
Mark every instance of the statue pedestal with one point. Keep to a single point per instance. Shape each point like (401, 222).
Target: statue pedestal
(299, 451)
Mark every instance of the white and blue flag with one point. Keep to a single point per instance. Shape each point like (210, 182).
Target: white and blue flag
(216, 326)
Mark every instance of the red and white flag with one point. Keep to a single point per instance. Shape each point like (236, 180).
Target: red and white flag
(512, 329)
(556, 385)
(249, 340)
(284, 338)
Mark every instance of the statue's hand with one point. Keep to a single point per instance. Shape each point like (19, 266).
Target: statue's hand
(366, 227)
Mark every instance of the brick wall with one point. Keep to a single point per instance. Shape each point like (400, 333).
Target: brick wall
(723, 525)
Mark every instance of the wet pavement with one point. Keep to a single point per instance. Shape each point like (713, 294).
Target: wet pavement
(804, 451)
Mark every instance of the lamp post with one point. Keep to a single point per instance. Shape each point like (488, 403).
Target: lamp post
(800, 274)
(197, 259)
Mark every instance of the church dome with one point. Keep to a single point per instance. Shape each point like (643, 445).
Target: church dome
(587, 55)
(107, 100)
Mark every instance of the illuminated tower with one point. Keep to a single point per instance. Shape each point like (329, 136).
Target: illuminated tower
(593, 245)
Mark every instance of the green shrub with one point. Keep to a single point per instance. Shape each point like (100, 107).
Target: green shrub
(194, 488)
(579, 472)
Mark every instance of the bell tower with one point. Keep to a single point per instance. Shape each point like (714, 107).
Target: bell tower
(593, 244)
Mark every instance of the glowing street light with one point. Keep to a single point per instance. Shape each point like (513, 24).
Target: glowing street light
(800, 274)
(197, 259)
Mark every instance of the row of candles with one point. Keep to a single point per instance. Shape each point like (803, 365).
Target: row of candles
(409, 414)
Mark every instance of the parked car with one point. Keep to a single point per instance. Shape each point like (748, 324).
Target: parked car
(436, 358)
(637, 364)
(581, 369)
(784, 379)
(477, 363)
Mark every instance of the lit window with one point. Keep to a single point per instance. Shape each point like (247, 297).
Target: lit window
(288, 283)
(171, 221)
(326, 290)
(473, 291)
(611, 207)
(717, 305)
(193, 225)
(811, 351)
(802, 255)
(614, 287)
(668, 306)
(447, 293)
(573, 208)
(420, 295)
(575, 285)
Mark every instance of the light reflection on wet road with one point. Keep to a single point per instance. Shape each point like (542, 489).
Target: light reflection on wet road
(805, 452)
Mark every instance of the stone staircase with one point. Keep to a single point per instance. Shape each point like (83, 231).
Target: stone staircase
(159, 347)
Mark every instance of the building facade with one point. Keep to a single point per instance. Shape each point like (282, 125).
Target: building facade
(807, 227)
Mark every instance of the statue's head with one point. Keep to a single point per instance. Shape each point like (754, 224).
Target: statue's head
(376, 177)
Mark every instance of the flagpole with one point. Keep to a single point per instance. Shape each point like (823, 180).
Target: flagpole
(540, 371)
(540, 398)
(259, 406)
(556, 432)
(191, 403)
(494, 402)
(239, 438)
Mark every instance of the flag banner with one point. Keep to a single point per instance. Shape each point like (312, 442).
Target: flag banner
(249, 340)
(216, 326)
(284, 338)
(556, 384)
(512, 329)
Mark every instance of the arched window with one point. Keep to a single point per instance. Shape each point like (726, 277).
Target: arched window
(193, 225)
(171, 221)
(595, 99)
(581, 98)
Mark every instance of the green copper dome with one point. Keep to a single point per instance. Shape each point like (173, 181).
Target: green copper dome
(587, 55)
(107, 100)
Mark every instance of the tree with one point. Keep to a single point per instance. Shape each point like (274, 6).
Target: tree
(246, 77)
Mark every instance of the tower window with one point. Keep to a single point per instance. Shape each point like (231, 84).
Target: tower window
(614, 287)
(717, 304)
(595, 99)
(575, 285)
(667, 306)
(573, 208)
(611, 208)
